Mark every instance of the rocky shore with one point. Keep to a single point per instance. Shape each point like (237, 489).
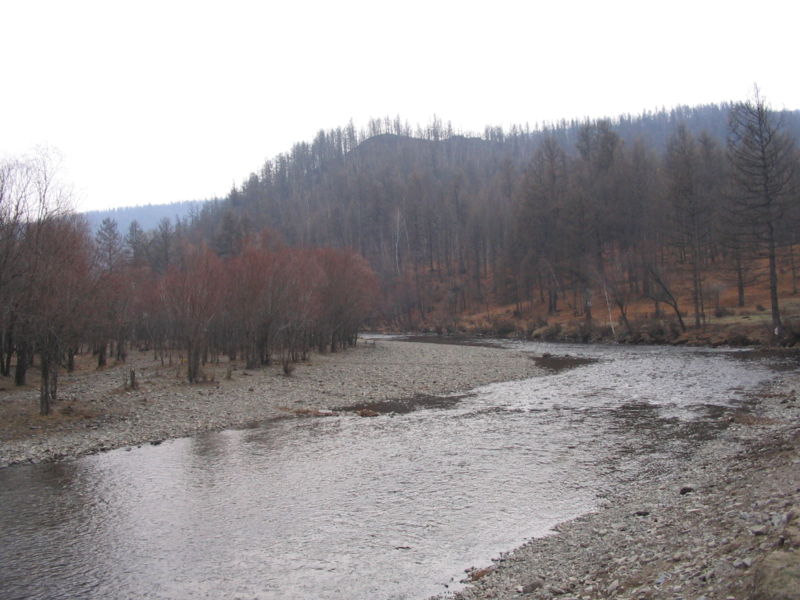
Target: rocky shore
(724, 524)
(97, 412)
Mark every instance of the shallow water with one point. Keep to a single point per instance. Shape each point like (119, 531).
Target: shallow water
(351, 507)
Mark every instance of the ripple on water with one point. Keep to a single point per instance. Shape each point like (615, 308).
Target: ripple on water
(395, 506)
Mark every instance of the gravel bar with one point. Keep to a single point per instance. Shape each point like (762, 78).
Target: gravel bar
(96, 413)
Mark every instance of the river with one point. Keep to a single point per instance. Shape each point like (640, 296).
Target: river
(395, 506)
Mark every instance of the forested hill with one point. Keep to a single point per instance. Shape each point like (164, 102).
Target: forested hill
(635, 229)
(371, 188)
(452, 222)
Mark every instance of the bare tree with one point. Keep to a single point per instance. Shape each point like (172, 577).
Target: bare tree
(690, 226)
(51, 257)
(191, 295)
(16, 182)
(59, 253)
(763, 166)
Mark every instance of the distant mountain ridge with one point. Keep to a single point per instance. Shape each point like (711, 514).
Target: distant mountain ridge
(148, 215)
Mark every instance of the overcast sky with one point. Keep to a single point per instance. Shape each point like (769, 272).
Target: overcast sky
(153, 102)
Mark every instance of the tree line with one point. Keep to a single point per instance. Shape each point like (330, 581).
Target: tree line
(569, 216)
(63, 290)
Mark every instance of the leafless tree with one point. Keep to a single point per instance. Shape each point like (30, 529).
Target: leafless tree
(763, 166)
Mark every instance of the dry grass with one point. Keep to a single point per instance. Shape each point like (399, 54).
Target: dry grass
(752, 321)
(19, 416)
(19, 405)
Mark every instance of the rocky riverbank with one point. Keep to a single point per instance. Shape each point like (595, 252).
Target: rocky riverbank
(725, 524)
(97, 412)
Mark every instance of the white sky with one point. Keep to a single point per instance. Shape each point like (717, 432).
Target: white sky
(153, 102)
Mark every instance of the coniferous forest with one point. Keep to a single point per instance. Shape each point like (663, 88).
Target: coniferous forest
(681, 207)
(689, 212)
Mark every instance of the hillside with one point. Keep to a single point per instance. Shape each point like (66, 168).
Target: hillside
(635, 210)
(585, 224)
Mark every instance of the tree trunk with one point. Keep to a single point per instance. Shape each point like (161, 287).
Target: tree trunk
(777, 326)
(623, 315)
(54, 382)
(697, 295)
(102, 359)
(5, 351)
(251, 357)
(44, 387)
(674, 306)
(587, 306)
(740, 280)
(23, 360)
(6, 366)
(193, 363)
(122, 351)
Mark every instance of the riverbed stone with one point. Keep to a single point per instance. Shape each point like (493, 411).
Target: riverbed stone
(531, 586)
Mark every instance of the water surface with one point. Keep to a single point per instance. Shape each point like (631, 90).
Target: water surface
(350, 507)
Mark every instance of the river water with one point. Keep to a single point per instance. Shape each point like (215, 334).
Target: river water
(395, 506)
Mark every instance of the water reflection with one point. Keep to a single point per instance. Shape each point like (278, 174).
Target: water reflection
(345, 507)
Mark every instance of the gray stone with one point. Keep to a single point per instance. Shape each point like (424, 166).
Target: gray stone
(532, 586)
